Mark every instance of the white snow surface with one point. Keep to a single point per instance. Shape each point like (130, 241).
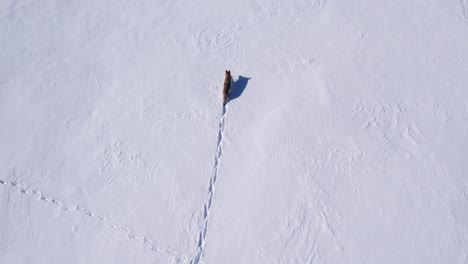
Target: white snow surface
(345, 139)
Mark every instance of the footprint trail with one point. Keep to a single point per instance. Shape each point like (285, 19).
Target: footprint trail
(211, 190)
(129, 233)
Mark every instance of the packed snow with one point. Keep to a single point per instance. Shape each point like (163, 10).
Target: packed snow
(344, 139)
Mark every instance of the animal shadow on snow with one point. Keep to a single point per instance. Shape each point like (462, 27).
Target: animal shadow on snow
(238, 87)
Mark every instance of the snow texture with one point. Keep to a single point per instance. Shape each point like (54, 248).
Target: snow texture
(344, 139)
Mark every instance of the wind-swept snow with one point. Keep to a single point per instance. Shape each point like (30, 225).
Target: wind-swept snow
(344, 140)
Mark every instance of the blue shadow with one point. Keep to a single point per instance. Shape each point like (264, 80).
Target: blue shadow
(238, 87)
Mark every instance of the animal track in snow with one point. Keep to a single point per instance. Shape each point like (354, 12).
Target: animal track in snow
(389, 125)
(311, 229)
(459, 8)
(209, 38)
(285, 66)
(16, 7)
(265, 9)
(123, 169)
(304, 237)
(211, 191)
(464, 9)
(79, 209)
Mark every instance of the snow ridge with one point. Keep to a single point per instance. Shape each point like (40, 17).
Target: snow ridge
(77, 208)
(211, 190)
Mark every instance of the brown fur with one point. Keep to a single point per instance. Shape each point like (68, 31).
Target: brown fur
(227, 86)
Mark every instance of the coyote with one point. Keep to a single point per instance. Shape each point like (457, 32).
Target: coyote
(227, 86)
